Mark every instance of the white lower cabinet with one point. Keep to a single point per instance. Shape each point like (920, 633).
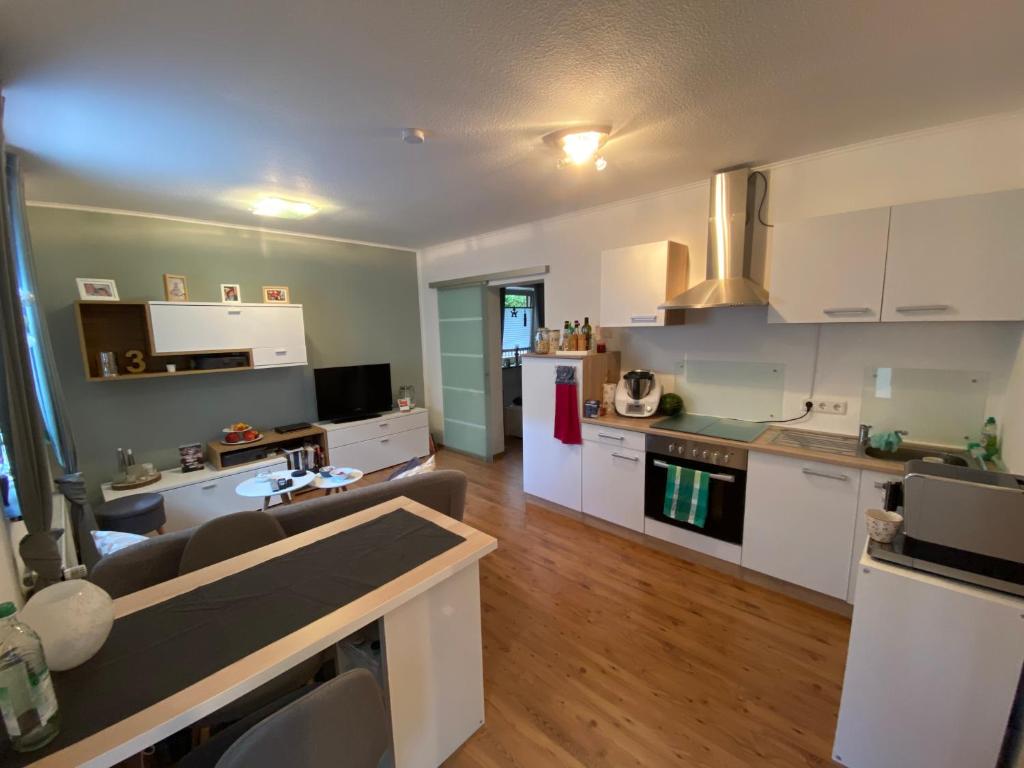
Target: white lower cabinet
(613, 484)
(871, 495)
(190, 505)
(374, 444)
(799, 522)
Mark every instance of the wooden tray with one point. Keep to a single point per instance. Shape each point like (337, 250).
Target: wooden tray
(128, 486)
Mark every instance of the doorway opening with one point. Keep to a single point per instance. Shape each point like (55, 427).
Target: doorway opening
(520, 311)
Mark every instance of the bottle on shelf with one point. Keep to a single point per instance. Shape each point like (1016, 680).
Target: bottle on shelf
(567, 337)
(990, 438)
(27, 701)
(577, 337)
(588, 335)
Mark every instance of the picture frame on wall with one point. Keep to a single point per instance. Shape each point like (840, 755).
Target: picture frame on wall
(275, 294)
(96, 289)
(175, 287)
(230, 293)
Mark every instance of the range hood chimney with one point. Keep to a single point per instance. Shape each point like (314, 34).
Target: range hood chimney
(730, 232)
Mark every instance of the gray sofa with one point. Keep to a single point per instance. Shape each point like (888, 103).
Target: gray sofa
(151, 562)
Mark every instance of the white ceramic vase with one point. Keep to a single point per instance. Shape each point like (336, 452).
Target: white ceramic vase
(72, 619)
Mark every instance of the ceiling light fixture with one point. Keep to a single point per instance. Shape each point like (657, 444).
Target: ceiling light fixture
(413, 135)
(580, 145)
(281, 208)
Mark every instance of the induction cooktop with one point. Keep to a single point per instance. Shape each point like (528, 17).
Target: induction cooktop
(713, 426)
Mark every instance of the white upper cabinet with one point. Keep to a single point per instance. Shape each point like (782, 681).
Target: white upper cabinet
(636, 279)
(274, 333)
(829, 269)
(957, 259)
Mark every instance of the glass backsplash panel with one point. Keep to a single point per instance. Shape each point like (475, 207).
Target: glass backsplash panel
(934, 406)
(733, 389)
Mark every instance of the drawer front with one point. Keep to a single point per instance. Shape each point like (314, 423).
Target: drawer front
(613, 485)
(357, 433)
(382, 451)
(193, 505)
(270, 357)
(623, 438)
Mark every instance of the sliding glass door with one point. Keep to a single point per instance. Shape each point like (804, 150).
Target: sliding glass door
(464, 377)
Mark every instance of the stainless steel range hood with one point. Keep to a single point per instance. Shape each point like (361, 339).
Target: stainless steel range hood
(730, 233)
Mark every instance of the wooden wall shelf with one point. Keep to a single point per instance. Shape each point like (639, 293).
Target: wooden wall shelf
(121, 326)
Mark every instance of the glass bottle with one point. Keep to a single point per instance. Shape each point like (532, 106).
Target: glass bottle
(27, 701)
(588, 334)
(577, 337)
(567, 337)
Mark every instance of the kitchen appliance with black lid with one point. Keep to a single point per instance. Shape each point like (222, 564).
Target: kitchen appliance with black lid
(637, 394)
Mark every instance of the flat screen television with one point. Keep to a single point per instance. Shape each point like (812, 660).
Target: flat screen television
(352, 392)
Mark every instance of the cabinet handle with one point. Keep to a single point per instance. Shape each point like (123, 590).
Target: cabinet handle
(280, 351)
(826, 475)
(209, 487)
(385, 440)
(620, 438)
(384, 425)
(924, 308)
(880, 486)
(643, 319)
(634, 459)
(713, 476)
(846, 310)
(234, 311)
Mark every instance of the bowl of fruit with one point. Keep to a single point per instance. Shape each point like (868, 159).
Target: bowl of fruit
(239, 433)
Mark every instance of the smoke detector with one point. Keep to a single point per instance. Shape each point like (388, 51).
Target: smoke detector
(413, 135)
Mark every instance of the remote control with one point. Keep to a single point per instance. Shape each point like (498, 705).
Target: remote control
(292, 427)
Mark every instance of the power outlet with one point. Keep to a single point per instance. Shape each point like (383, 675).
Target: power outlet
(837, 407)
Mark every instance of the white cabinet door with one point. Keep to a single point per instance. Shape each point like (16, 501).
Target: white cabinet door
(957, 259)
(931, 672)
(829, 269)
(871, 495)
(636, 279)
(192, 505)
(187, 327)
(613, 484)
(278, 335)
(799, 521)
(381, 452)
(551, 469)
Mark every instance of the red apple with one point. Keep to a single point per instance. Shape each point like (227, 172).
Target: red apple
(251, 434)
(232, 437)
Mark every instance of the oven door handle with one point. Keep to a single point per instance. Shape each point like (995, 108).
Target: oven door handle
(712, 476)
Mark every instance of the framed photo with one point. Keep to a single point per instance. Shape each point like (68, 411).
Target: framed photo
(275, 294)
(96, 289)
(175, 288)
(230, 293)
(191, 457)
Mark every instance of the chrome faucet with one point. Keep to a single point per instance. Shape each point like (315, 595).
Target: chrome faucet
(864, 435)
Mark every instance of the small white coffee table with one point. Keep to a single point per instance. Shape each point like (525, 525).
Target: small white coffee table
(338, 483)
(262, 487)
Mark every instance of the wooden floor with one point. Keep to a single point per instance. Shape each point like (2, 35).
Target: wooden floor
(599, 651)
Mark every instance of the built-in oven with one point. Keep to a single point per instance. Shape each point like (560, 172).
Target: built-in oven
(727, 471)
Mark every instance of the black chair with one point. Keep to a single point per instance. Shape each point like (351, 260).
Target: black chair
(138, 513)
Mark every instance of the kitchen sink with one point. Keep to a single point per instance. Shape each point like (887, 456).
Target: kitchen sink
(910, 452)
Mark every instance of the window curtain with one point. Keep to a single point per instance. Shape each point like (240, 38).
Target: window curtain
(31, 409)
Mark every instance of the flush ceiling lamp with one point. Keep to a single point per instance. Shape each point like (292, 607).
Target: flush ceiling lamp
(580, 145)
(280, 208)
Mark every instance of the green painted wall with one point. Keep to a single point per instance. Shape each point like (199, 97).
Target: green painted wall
(360, 305)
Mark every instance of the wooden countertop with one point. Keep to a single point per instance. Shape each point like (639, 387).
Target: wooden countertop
(763, 443)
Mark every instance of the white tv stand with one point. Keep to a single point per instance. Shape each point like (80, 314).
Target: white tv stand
(384, 441)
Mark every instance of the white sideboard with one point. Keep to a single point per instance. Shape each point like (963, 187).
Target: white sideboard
(192, 498)
(275, 333)
(384, 441)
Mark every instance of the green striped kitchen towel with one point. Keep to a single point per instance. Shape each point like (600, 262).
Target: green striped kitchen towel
(686, 495)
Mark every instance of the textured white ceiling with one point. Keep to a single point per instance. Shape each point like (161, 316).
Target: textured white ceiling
(192, 107)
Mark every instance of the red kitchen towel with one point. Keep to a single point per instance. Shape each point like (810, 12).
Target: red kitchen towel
(567, 415)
